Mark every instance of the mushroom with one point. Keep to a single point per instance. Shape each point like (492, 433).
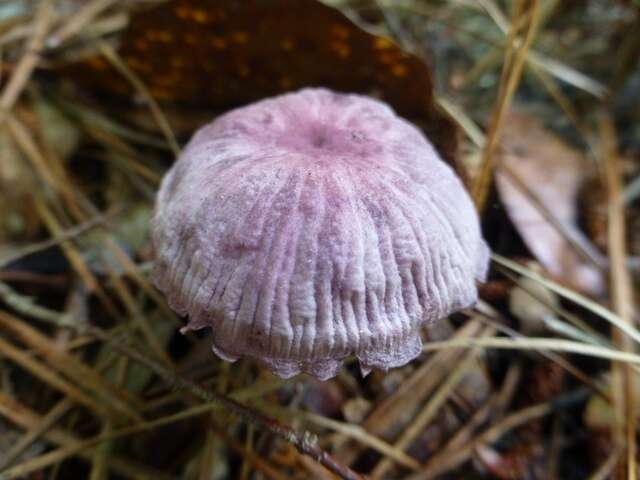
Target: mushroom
(312, 226)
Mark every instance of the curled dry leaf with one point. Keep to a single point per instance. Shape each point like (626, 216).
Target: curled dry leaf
(551, 172)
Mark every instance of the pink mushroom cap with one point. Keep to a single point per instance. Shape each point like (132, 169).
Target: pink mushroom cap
(312, 226)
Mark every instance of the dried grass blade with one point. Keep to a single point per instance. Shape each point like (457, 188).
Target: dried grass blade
(605, 470)
(463, 120)
(443, 463)
(68, 234)
(76, 447)
(395, 411)
(431, 408)
(575, 297)
(55, 381)
(623, 377)
(73, 368)
(21, 416)
(77, 21)
(536, 343)
(139, 319)
(74, 257)
(567, 74)
(511, 73)
(112, 56)
(29, 60)
(50, 419)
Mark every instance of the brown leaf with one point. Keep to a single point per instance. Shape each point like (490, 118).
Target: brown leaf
(220, 54)
(551, 171)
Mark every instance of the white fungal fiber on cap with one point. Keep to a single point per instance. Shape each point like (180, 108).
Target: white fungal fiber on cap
(313, 226)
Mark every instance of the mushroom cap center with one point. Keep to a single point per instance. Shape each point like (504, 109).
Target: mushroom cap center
(319, 140)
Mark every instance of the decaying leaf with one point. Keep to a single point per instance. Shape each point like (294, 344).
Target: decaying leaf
(538, 178)
(214, 54)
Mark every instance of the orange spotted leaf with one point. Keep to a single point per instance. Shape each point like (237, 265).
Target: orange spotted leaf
(220, 54)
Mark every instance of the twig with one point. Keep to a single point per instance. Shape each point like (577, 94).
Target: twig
(356, 432)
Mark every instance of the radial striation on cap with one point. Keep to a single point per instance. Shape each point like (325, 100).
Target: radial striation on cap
(312, 226)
